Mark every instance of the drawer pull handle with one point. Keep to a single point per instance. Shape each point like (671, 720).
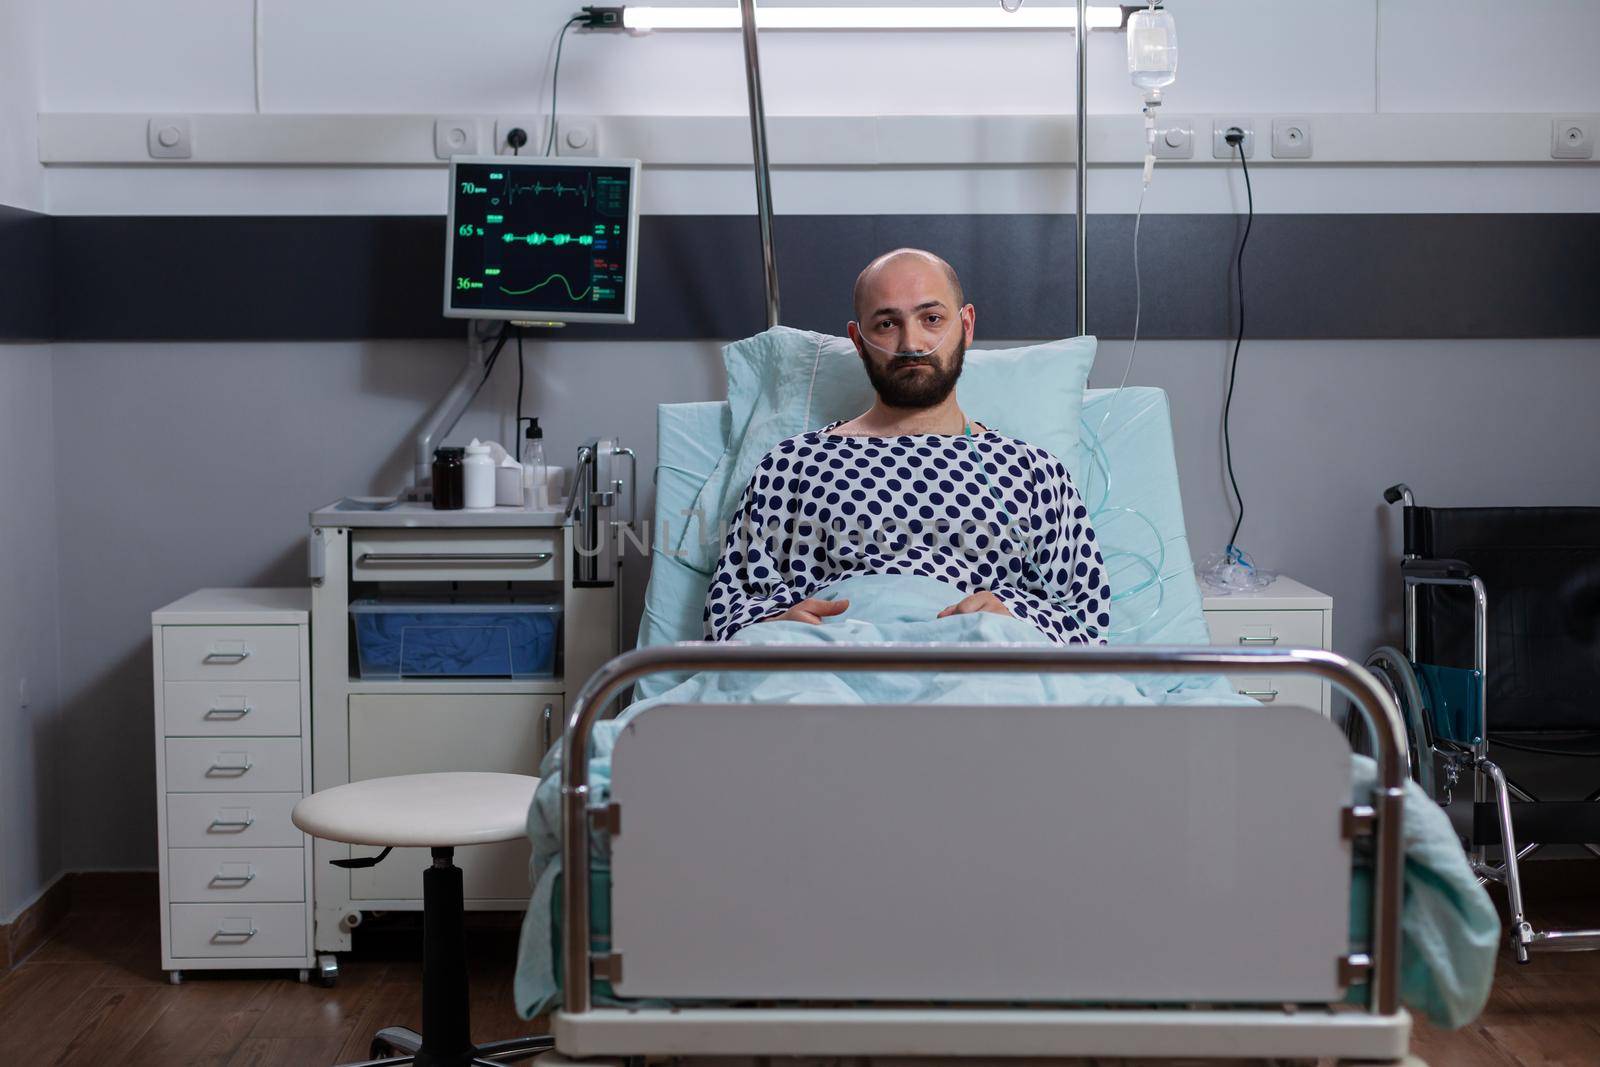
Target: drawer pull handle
(229, 770)
(532, 559)
(1259, 640)
(233, 881)
(233, 826)
(233, 937)
(549, 714)
(228, 714)
(223, 656)
(1266, 696)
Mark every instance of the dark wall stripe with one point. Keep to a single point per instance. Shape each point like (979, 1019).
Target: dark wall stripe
(1306, 276)
(26, 310)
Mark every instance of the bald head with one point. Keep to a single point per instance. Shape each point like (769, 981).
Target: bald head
(895, 267)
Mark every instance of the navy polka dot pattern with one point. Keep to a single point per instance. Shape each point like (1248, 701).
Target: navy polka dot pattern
(985, 512)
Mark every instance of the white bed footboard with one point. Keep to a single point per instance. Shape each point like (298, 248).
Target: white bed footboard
(942, 852)
(989, 857)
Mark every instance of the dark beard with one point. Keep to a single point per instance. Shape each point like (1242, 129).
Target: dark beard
(899, 389)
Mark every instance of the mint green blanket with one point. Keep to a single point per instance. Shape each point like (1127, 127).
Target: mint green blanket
(1450, 928)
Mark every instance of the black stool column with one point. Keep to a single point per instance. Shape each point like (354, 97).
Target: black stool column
(446, 1029)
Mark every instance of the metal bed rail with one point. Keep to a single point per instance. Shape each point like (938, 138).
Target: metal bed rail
(1369, 697)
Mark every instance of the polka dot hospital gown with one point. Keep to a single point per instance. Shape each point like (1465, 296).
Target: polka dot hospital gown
(985, 512)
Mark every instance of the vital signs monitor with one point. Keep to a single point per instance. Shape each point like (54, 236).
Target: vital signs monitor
(542, 240)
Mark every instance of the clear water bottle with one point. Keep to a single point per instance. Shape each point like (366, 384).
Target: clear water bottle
(535, 475)
(1152, 50)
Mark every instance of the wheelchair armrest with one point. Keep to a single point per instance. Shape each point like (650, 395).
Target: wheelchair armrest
(1435, 569)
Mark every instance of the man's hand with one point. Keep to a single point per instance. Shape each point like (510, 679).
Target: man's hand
(984, 601)
(811, 610)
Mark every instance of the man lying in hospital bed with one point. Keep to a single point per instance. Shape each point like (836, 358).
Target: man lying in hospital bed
(914, 522)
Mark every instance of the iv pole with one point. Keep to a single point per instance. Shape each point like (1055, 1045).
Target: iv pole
(763, 174)
(758, 147)
(1080, 166)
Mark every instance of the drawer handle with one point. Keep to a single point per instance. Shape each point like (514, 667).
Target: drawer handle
(1266, 696)
(229, 770)
(233, 881)
(217, 655)
(1259, 640)
(233, 937)
(532, 559)
(549, 714)
(228, 714)
(233, 826)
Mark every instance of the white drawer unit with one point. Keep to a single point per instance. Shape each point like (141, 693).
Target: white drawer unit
(231, 820)
(233, 756)
(234, 764)
(226, 875)
(232, 709)
(1286, 614)
(261, 933)
(236, 653)
(528, 555)
(370, 727)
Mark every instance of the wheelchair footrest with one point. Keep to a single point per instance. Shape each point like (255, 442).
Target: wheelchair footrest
(1548, 822)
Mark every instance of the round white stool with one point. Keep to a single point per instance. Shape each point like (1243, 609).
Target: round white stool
(438, 812)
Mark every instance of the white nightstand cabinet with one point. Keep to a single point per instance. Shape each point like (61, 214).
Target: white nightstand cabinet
(233, 755)
(1285, 614)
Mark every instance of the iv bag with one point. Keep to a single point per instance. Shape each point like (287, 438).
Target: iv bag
(1152, 49)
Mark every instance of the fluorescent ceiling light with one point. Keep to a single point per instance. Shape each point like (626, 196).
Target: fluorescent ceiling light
(644, 19)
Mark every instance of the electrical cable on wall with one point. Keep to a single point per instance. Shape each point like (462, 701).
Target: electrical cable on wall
(1233, 570)
(555, 79)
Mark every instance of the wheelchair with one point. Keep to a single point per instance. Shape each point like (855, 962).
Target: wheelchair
(1502, 659)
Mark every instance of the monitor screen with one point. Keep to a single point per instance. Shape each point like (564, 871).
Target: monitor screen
(544, 240)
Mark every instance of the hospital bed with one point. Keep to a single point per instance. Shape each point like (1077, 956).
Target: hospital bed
(801, 880)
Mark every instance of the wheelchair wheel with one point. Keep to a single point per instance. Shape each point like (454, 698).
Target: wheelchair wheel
(1390, 666)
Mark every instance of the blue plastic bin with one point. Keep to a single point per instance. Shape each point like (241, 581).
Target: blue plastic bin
(418, 638)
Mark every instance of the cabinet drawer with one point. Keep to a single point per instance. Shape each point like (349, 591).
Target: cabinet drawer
(253, 930)
(231, 709)
(1296, 691)
(232, 820)
(1266, 629)
(462, 732)
(224, 875)
(232, 653)
(233, 765)
(516, 555)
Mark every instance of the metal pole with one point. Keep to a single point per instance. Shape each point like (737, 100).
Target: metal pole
(1382, 714)
(758, 146)
(1081, 166)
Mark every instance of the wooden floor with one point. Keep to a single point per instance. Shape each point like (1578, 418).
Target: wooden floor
(95, 994)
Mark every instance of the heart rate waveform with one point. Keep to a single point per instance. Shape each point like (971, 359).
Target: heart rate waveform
(562, 278)
(539, 239)
(538, 188)
(557, 239)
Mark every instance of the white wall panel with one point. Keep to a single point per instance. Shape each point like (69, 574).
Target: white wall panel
(730, 191)
(1489, 55)
(171, 55)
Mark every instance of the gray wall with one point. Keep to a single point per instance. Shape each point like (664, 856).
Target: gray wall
(30, 839)
(30, 719)
(191, 465)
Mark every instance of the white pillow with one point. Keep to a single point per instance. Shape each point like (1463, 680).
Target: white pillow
(784, 382)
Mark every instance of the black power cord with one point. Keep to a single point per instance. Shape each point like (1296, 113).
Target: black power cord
(1235, 137)
(518, 431)
(555, 75)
